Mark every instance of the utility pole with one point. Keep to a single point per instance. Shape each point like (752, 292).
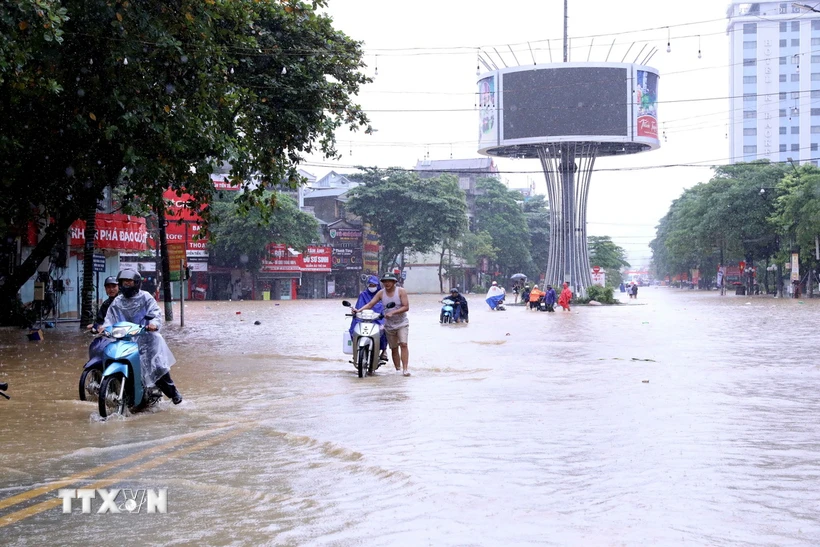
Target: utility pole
(566, 38)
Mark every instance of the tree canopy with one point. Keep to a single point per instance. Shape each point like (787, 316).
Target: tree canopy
(155, 94)
(499, 214)
(409, 213)
(605, 253)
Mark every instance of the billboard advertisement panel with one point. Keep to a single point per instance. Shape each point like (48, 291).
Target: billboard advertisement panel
(488, 112)
(646, 104)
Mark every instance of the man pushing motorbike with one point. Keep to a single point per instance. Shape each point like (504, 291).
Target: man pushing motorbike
(134, 305)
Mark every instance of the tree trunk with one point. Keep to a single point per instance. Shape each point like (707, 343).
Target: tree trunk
(166, 267)
(441, 267)
(87, 312)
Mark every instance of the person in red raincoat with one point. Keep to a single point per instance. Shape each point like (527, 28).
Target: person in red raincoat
(566, 296)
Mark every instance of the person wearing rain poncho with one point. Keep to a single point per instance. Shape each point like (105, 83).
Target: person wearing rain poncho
(373, 286)
(134, 305)
(495, 296)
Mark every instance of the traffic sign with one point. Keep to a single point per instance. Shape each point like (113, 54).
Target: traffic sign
(99, 263)
(596, 269)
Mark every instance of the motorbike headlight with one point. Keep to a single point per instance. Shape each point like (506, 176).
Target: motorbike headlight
(119, 332)
(368, 315)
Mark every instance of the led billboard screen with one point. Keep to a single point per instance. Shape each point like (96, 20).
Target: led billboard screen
(565, 101)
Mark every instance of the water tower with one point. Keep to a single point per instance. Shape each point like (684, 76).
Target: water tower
(567, 115)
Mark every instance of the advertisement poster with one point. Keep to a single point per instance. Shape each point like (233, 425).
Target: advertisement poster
(487, 107)
(370, 254)
(646, 102)
(795, 267)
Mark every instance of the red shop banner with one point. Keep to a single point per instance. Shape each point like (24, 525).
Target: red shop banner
(279, 258)
(114, 232)
(178, 206)
(184, 232)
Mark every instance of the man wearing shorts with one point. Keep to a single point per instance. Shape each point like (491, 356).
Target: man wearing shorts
(396, 324)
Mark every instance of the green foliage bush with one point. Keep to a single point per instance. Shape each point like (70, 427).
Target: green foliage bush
(599, 294)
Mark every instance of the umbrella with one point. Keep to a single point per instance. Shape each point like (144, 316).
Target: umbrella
(518, 276)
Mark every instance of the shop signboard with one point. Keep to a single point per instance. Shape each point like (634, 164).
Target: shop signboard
(114, 232)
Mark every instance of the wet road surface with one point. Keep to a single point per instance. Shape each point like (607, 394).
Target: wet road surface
(682, 417)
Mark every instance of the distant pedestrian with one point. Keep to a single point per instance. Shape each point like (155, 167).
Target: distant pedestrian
(565, 298)
(550, 298)
(634, 293)
(535, 296)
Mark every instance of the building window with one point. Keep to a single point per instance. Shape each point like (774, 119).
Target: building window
(814, 147)
(749, 114)
(750, 79)
(782, 112)
(784, 43)
(749, 62)
(813, 162)
(749, 131)
(815, 93)
(795, 59)
(795, 148)
(815, 24)
(749, 28)
(749, 97)
(782, 147)
(795, 77)
(815, 58)
(795, 42)
(815, 41)
(815, 129)
(782, 96)
(750, 45)
(752, 149)
(795, 94)
(782, 130)
(784, 27)
(782, 77)
(782, 60)
(796, 24)
(815, 76)
(795, 130)
(815, 111)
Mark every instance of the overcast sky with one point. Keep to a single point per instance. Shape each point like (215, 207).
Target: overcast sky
(423, 99)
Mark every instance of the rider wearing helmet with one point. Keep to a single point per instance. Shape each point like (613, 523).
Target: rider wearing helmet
(136, 306)
(112, 289)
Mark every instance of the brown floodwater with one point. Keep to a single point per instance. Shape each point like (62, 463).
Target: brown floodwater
(681, 417)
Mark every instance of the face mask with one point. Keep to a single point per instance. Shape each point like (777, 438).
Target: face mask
(372, 289)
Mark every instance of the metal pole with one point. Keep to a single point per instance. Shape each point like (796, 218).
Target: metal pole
(566, 56)
(97, 307)
(181, 292)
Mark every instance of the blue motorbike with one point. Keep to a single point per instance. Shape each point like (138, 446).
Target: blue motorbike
(121, 387)
(447, 312)
(91, 376)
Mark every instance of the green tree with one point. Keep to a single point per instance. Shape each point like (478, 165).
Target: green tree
(605, 253)
(147, 95)
(408, 213)
(538, 224)
(499, 214)
(237, 232)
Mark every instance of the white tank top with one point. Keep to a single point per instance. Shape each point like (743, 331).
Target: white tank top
(394, 321)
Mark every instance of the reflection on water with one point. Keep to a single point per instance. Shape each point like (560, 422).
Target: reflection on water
(679, 417)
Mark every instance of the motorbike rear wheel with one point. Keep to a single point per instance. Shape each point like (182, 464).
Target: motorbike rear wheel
(110, 401)
(90, 384)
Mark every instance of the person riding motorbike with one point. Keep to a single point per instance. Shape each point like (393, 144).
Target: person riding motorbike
(373, 286)
(495, 296)
(460, 309)
(156, 359)
(112, 289)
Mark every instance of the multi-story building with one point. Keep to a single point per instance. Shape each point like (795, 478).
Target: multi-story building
(774, 89)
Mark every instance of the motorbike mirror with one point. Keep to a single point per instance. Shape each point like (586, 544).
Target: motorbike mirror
(345, 303)
(390, 305)
(4, 386)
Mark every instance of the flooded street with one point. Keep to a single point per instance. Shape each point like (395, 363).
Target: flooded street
(682, 417)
